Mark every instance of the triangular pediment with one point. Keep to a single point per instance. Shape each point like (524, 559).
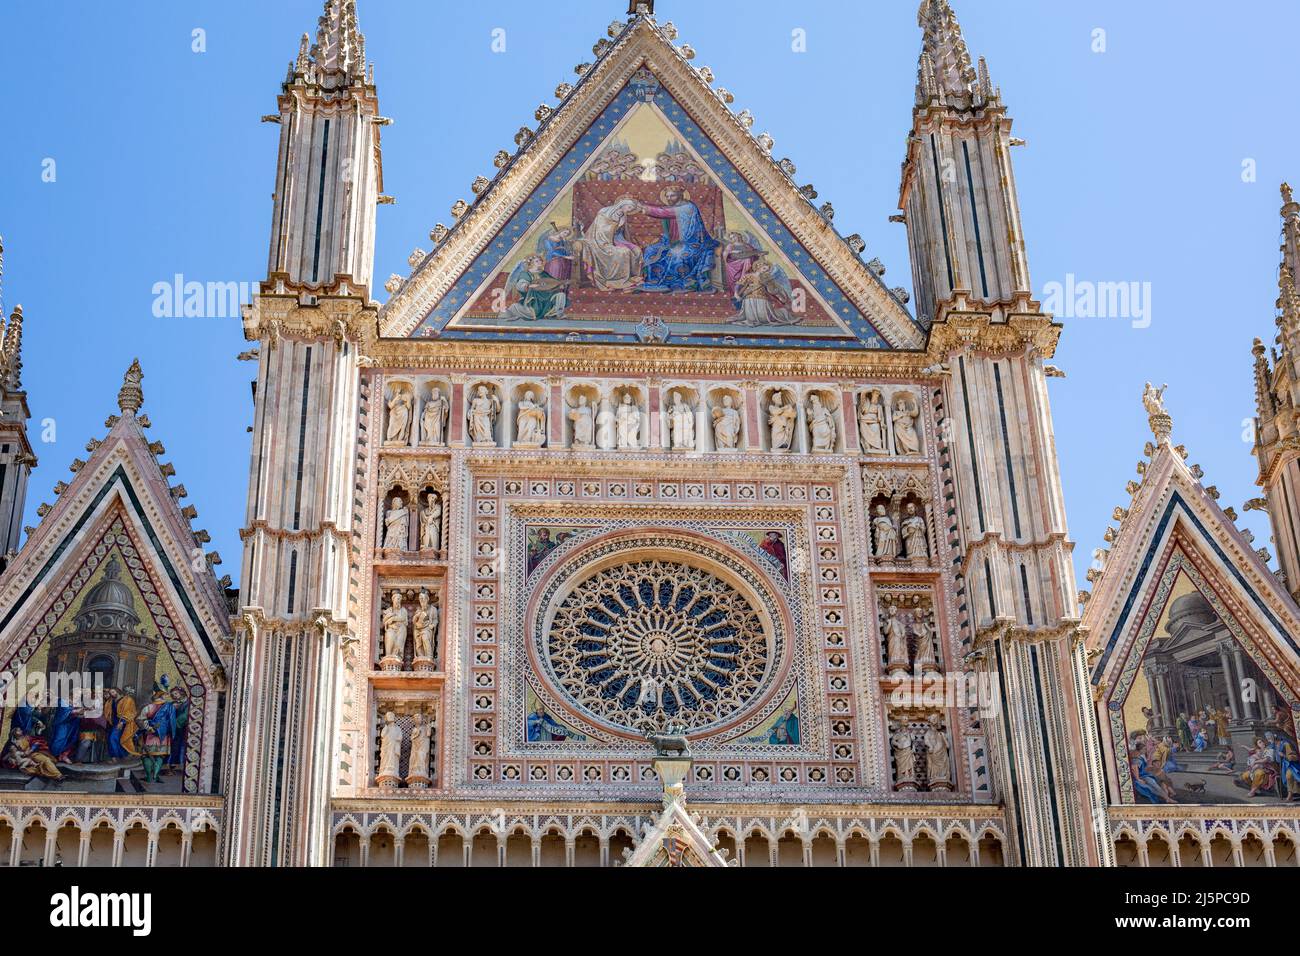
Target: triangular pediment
(643, 209)
(1194, 650)
(111, 586)
(675, 840)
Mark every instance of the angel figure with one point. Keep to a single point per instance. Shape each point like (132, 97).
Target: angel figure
(532, 293)
(556, 249)
(739, 254)
(1154, 399)
(765, 296)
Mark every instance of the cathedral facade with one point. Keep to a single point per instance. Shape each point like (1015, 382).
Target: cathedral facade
(644, 524)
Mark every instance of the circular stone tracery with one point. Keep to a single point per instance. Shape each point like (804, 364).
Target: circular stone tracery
(655, 639)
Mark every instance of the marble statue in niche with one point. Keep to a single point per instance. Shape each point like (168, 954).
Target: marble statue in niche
(916, 544)
(681, 423)
(938, 760)
(484, 408)
(895, 631)
(781, 416)
(584, 428)
(726, 425)
(399, 418)
(395, 620)
(629, 424)
(821, 425)
(924, 635)
(901, 742)
(397, 523)
(606, 426)
(884, 535)
(390, 752)
(530, 423)
(417, 768)
(433, 421)
(906, 439)
(425, 625)
(871, 422)
(431, 523)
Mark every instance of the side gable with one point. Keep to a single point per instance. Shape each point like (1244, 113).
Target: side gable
(116, 540)
(1194, 647)
(642, 96)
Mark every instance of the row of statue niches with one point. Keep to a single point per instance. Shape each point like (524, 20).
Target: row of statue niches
(405, 746)
(922, 759)
(693, 418)
(899, 533)
(409, 637)
(395, 535)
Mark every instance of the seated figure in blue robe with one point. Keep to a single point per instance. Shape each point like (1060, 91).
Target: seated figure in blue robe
(682, 260)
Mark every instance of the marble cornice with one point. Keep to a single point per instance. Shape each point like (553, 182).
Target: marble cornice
(1006, 628)
(577, 808)
(676, 361)
(340, 311)
(135, 801)
(962, 329)
(261, 526)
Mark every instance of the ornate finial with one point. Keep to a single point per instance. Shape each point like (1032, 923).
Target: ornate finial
(11, 352)
(1287, 197)
(340, 47)
(945, 68)
(130, 397)
(640, 8)
(1162, 424)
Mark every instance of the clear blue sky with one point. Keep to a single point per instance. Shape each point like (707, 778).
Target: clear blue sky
(1133, 172)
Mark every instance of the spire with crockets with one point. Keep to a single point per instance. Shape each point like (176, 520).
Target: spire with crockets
(1277, 396)
(16, 458)
(11, 338)
(945, 72)
(340, 48)
(307, 320)
(329, 175)
(1016, 587)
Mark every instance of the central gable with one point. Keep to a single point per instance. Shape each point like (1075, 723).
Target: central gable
(643, 210)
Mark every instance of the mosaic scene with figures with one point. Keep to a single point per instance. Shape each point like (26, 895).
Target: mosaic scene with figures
(641, 524)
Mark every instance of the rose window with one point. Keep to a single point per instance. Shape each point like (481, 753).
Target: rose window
(653, 639)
